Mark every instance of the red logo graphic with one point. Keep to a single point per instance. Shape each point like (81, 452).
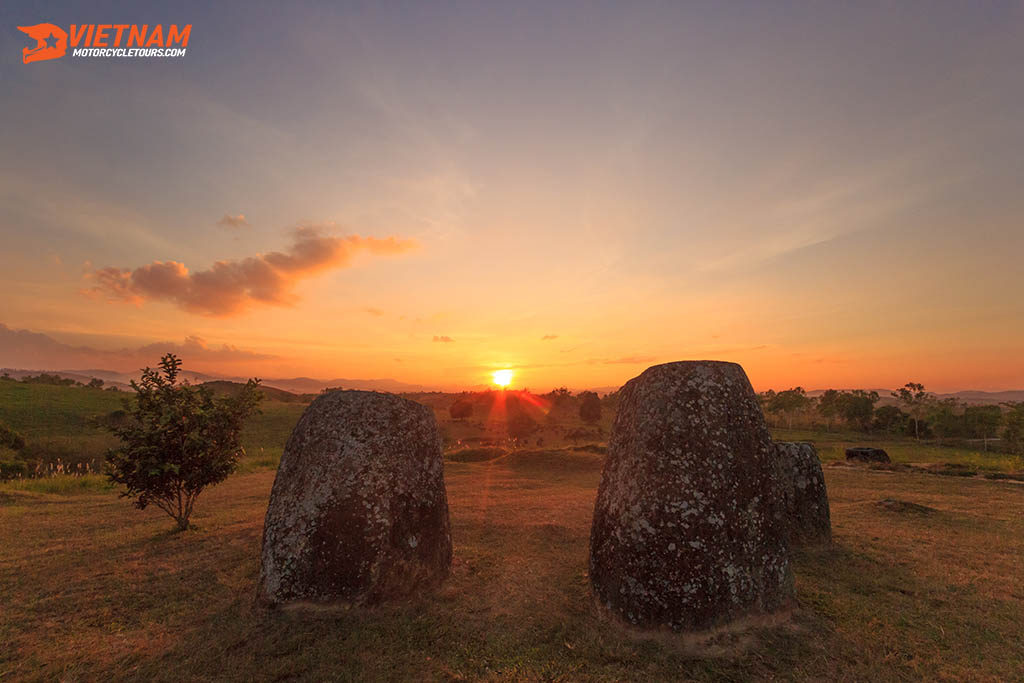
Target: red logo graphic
(51, 42)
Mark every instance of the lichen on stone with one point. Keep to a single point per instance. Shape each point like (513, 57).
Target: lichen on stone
(689, 524)
(358, 511)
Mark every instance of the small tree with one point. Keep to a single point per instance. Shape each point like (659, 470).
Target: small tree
(890, 419)
(828, 407)
(520, 425)
(857, 407)
(95, 383)
(179, 440)
(559, 396)
(789, 403)
(945, 418)
(916, 400)
(1013, 435)
(982, 422)
(590, 407)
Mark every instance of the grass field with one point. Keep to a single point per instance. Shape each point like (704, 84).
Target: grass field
(56, 423)
(94, 590)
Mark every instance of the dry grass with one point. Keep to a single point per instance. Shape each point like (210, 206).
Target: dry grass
(93, 589)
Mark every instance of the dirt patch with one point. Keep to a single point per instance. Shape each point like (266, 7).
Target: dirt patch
(949, 469)
(895, 505)
(1015, 477)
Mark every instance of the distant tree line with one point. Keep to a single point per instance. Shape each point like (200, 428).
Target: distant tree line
(524, 411)
(57, 380)
(917, 413)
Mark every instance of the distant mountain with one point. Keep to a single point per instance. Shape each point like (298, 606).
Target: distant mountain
(294, 385)
(986, 396)
(309, 385)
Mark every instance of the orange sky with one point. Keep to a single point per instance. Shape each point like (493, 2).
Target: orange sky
(432, 194)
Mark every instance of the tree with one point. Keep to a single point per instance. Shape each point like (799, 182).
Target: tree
(982, 422)
(558, 396)
(916, 400)
(179, 440)
(828, 407)
(890, 419)
(1013, 435)
(944, 419)
(789, 403)
(590, 407)
(461, 409)
(95, 383)
(857, 407)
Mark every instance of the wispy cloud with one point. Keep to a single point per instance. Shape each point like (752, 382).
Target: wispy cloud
(549, 337)
(230, 287)
(443, 338)
(229, 221)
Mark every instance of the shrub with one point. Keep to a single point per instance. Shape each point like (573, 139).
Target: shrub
(10, 438)
(520, 425)
(590, 407)
(891, 420)
(11, 467)
(180, 439)
(1014, 433)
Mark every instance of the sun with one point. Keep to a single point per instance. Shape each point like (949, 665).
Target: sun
(503, 377)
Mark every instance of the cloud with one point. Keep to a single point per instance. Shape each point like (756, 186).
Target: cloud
(370, 310)
(443, 338)
(230, 287)
(549, 337)
(37, 351)
(229, 221)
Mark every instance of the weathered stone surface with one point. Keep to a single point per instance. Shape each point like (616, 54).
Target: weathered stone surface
(689, 525)
(865, 454)
(358, 512)
(803, 486)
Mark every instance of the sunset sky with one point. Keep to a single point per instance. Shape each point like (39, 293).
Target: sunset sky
(830, 196)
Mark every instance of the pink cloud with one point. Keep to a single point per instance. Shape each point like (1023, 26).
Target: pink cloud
(229, 221)
(230, 287)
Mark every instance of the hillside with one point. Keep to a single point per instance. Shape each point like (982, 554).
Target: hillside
(57, 421)
(223, 387)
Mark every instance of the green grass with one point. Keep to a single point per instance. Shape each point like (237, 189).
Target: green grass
(55, 421)
(62, 485)
(272, 427)
(833, 445)
(42, 410)
(260, 459)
